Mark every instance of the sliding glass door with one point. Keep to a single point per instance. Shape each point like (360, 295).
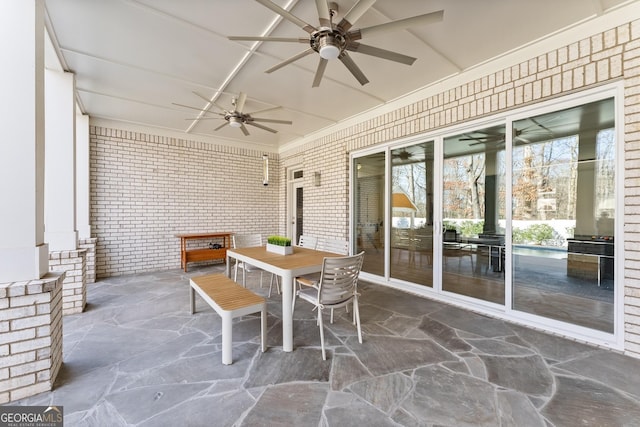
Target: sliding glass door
(369, 185)
(411, 250)
(564, 214)
(473, 214)
(525, 214)
(407, 226)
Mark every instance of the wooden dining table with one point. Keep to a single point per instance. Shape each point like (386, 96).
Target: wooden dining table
(302, 261)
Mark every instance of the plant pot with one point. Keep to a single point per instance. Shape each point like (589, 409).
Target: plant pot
(282, 250)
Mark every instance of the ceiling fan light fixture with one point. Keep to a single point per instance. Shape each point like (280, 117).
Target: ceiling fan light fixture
(235, 122)
(329, 49)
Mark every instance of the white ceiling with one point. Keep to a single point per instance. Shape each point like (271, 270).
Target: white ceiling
(135, 59)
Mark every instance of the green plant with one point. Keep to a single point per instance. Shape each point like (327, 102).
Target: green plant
(279, 240)
(471, 228)
(449, 225)
(535, 234)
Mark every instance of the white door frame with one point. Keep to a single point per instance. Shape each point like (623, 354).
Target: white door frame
(292, 185)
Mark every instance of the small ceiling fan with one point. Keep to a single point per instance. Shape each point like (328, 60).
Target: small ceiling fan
(332, 41)
(235, 117)
(496, 136)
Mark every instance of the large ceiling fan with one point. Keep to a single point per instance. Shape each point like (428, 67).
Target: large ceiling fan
(236, 117)
(332, 41)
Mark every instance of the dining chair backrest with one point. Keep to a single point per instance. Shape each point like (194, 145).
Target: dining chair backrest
(339, 278)
(337, 246)
(247, 240)
(307, 241)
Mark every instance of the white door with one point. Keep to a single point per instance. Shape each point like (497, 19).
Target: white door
(295, 208)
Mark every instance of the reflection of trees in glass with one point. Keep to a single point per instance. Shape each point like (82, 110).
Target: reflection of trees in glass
(464, 190)
(544, 176)
(411, 180)
(605, 172)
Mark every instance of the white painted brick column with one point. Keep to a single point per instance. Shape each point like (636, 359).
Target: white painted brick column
(24, 255)
(60, 161)
(30, 336)
(74, 289)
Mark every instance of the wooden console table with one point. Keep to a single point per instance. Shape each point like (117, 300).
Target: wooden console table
(203, 254)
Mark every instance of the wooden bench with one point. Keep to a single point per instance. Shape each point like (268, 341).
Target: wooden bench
(229, 300)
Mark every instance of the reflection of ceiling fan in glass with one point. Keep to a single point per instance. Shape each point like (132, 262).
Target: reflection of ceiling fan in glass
(332, 41)
(496, 136)
(402, 155)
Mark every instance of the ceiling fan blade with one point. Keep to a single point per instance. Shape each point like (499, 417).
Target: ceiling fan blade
(209, 101)
(280, 11)
(355, 13)
(244, 130)
(206, 118)
(284, 122)
(357, 73)
(262, 127)
(290, 60)
(323, 13)
(264, 110)
(322, 65)
(270, 39)
(242, 99)
(196, 108)
(427, 18)
(380, 53)
(220, 127)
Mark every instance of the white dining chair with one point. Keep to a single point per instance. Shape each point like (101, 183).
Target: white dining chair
(246, 241)
(307, 241)
(337, 246)
(337, 287)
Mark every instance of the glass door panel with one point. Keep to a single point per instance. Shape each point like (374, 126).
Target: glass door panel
(563, 215)
(411, 250)
(299, 209)
(369, 211)
(473, 214)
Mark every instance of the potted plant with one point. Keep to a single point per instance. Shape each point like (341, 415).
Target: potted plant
(280, 245)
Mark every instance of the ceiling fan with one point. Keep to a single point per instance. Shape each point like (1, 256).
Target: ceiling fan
(236, 117)
(332, 41)
(402, 155)
(536, 132)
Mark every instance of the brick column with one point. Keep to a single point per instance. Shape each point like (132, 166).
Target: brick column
(90, 260)
(30, 336)
(74, 291)
(23, 253)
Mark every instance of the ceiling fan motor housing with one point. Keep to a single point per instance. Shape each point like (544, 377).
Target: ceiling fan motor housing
(329, 44)
(235, 121)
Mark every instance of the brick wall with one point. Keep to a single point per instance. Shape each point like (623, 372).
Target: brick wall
(30, 336)
(89, 245)
(74, 287)
(147, 188)
(597, 59)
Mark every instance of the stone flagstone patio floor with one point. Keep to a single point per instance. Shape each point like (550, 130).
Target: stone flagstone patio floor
(137, 357)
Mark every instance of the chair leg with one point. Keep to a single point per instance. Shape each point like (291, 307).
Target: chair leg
(235, 275)
(321, 326)
(277, 279)
(356, 314)
(293, 301)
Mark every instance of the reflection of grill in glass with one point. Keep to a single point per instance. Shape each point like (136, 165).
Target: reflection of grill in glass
(590, 257)
(592, 246)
